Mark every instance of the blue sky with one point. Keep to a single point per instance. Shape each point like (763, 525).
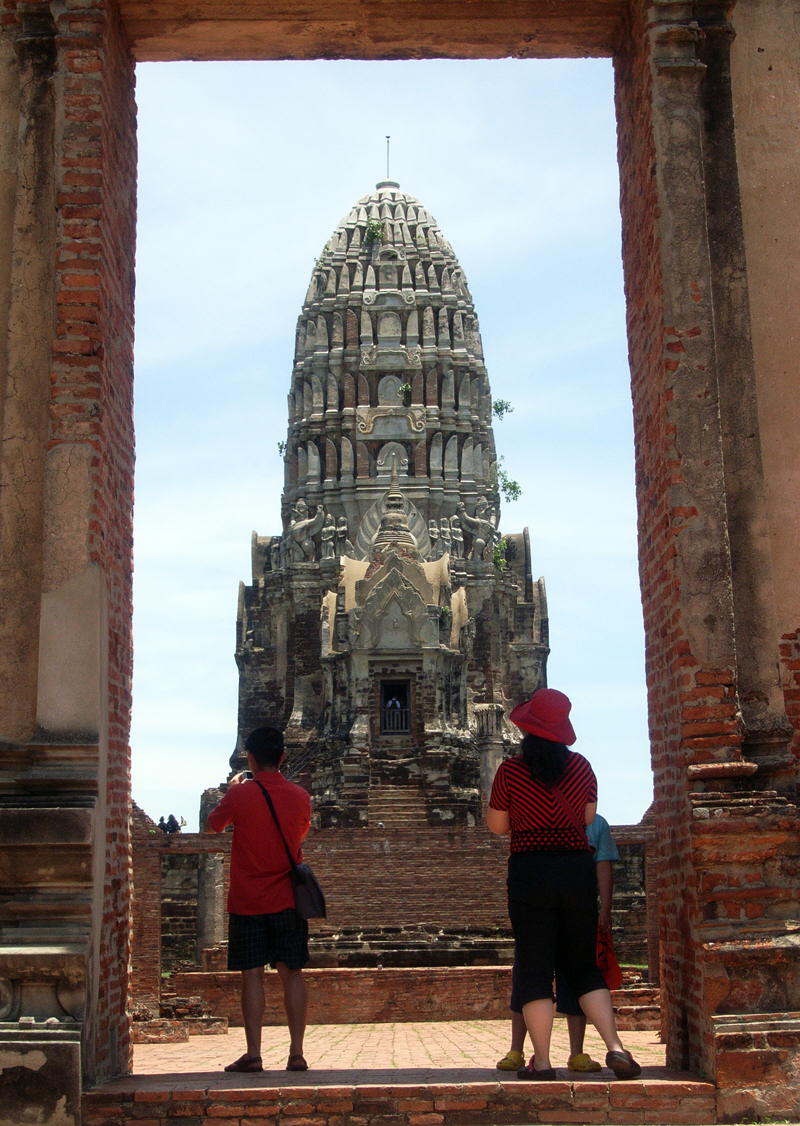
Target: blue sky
(244, 171)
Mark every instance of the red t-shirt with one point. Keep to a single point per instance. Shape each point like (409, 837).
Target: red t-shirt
(538, 822)
(260, 881)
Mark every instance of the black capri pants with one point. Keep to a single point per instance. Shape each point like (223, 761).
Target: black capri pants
(552, 904)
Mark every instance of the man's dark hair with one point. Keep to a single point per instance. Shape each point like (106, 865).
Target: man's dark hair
(265, 744)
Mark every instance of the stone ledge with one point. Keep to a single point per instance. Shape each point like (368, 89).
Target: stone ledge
(176, 1031)
(397, 994)
(674, 1099)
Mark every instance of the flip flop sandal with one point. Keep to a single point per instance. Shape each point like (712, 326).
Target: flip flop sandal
(623, 1065)
(296, 1063)
(546, 1075)
(246, 1063)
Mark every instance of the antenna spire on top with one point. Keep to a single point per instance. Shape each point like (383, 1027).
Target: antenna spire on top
(388, 139)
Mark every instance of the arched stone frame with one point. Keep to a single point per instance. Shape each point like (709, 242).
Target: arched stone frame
(332, 388)
(709, 605)
(388, 390)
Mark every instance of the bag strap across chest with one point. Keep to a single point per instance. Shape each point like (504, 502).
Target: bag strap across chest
(268, 799)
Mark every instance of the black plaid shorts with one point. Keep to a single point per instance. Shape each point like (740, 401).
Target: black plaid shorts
(261, 940)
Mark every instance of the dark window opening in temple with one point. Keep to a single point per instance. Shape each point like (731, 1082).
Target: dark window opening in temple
(394, 707)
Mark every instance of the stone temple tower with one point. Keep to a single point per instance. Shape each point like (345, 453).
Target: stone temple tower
(390, 625)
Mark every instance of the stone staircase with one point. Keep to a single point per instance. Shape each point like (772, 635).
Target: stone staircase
(396, 806)
(48, 826)
(637, 1004)
(412, 946)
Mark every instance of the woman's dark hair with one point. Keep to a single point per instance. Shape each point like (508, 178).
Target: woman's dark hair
(546, 760)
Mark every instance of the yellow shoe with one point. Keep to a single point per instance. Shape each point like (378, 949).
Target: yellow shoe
(511, 1061)
(581, 1062)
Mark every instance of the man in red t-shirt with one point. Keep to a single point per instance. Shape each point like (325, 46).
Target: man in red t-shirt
(264, 926)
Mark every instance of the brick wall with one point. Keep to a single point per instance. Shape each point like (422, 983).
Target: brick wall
(394, 877)
(366, 996)
(357, 996)
(790, 674)
(431, 884)
(91, 410)
(670, 666)
(405, 1102)
(706, 671)
(179, 905)
(145, 981)
(630, 916)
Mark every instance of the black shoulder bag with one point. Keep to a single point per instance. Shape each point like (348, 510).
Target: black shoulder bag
(309, 898)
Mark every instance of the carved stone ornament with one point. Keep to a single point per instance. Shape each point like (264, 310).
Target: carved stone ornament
(395, 356)
(366, 417)
(9, 999)
(394, 617)
(72, 998)
(371, 522)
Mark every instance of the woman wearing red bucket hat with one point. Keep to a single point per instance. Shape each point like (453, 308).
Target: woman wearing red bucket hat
(544, 797)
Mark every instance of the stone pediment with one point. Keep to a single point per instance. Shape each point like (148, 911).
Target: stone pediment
(390, 358)
(393, 614)
(411, 573)
(389, 421)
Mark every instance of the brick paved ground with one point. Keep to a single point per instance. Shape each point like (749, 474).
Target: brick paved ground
(438, 1052)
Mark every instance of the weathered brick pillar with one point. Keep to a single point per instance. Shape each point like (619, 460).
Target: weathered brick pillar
(147, 842)
(718, 724)
(67, 226)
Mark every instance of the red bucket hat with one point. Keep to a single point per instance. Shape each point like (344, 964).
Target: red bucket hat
(546, 714)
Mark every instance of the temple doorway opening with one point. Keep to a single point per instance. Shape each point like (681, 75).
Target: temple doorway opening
(566, 439)
(390, 615)
(395, 707)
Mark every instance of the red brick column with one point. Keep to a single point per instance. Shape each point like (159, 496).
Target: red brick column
(711, 681)
(147, 843)
(71, 300)
(91, 407)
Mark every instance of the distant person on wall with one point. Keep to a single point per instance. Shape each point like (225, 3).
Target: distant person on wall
(544, 797)
(264, 927)
(606, 854)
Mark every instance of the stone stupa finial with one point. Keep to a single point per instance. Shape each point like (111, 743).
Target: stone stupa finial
(394, 533)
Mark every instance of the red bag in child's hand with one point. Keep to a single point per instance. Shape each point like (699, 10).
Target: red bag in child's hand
(607, 960)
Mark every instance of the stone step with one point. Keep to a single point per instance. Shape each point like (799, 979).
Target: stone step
(377, 994)
(406, 805)
(413, 1100)
(636, 1017)
(396, 807)
(159, 1031)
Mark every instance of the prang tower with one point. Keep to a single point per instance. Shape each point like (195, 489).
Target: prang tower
(390, 625)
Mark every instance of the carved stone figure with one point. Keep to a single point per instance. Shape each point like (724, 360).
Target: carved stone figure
(444, 536)
(302, 529)
(457, 538)
(433, 532)
(482, 528)
(343, 544)
(327, 538)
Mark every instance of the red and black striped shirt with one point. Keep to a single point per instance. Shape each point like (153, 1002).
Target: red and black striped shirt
(538, 823)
